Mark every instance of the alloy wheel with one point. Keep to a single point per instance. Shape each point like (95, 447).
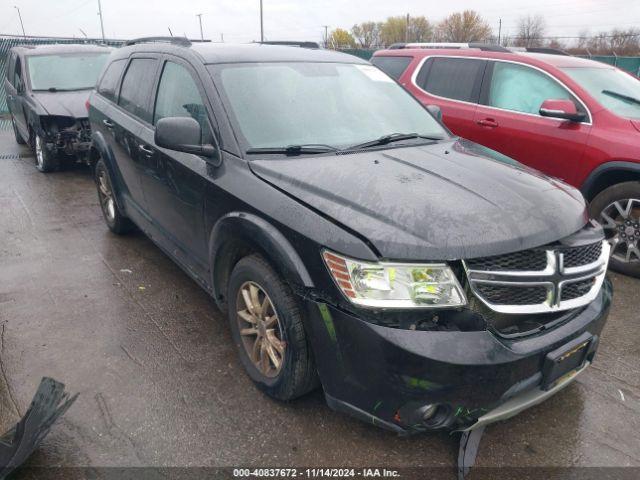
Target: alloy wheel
(39, 153)
(260, 329)
(621, 221)
(105, 193)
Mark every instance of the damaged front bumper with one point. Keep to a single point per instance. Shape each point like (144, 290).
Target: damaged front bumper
(67, 135)
(411, 381)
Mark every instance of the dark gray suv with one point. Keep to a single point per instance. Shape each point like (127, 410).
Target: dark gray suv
(424, 281)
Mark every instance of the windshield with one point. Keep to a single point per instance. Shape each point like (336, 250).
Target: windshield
(329, 104)
(613, 89)
(65, 72)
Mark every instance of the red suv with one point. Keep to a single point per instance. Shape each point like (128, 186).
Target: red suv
(569, 117)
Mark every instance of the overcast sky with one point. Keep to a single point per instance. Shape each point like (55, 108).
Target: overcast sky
(293, 19)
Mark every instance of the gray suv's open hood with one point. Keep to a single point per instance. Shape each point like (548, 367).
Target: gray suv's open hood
(443, 201)
(64, 104)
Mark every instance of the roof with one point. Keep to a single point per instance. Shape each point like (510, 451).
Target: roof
(210, 53)
(60, 48)
(558, 61)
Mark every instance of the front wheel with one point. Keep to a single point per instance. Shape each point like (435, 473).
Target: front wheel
(266, 325)
(618, 209)
(46, 160)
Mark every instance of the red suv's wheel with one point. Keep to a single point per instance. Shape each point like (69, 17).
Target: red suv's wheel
(618, 209)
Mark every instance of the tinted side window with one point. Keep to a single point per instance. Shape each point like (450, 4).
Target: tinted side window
(136, 86)
(392, 66)
(178, 96)
(109, 81)
(455, 78)
(521, 88)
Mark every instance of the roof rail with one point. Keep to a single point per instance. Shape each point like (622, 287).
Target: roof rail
(182, 41)
(291, 43)
(488, 47)
(549, 50)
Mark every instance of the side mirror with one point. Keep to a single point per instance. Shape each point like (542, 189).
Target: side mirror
(564, 109)
(182, 134)
(435, 111)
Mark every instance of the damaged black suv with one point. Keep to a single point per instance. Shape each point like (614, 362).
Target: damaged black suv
(47, 87)
(424, 281)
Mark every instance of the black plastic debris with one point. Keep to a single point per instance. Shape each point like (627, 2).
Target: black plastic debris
(469, 444)
(47, 406)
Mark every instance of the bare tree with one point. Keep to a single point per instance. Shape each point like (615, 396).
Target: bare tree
(367, 34)
(467, 26)
(340, 38)
(618, 42)
(530, 31)
(394, 30)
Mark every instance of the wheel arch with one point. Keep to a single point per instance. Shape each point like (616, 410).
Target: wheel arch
(609, 174)
(238, 234)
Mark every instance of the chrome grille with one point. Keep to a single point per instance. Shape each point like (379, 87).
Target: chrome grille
(521, 283)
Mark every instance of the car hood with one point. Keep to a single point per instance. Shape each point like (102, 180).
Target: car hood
(64, 104)
(442, 201)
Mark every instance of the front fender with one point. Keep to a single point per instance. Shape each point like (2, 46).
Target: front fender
(590, 185)
(265, 237)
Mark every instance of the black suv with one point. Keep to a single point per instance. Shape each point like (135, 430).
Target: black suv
(47, 87)
(424, 281)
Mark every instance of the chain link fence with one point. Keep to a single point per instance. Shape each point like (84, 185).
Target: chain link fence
(8, 41)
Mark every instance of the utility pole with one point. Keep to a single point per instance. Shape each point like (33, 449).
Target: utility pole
(261, 24)
(199, 15)
(406, 33)
(101, 21)
(21, 24)
(326, 35)
(499, 30)
(170, 32)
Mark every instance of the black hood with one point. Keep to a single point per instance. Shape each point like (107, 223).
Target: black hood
(443, 201)
(64, 104)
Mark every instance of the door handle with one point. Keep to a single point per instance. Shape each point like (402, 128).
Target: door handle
(107, 123)
(146, 150)
(487, 122)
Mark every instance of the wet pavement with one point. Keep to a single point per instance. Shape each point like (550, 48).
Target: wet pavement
(160, 383)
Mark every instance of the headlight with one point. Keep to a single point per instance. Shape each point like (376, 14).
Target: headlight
(395, 285)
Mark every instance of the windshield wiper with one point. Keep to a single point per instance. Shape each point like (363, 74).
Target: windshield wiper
(393, 137)
(293, 150)
(56, 89)
(622, 96)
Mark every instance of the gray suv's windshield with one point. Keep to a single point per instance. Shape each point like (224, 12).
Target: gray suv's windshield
(65, 72)
(309, 104)
(615, 90)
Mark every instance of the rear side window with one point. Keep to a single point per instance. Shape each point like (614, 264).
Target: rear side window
(522, 89)
(455, 78)
(136, 86)
(392, 66)
(109, 82)
(178, 96)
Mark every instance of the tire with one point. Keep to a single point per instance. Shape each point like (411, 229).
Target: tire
(19, 139)
(117, 222)
(297, 373)
(617, 208)
(46, 160)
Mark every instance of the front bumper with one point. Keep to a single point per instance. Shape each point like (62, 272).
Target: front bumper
(386, 376)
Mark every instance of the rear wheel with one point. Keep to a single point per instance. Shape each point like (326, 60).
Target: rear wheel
(46, 160)
(618, 209)
(19, 139)
(115, 220)
(267, 329)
